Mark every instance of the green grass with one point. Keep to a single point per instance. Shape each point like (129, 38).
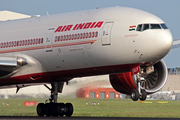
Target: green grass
(106, 108)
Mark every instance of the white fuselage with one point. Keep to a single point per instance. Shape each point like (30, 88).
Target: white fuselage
(106, 42)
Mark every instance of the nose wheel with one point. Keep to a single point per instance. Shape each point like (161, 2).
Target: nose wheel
(135, 95)
(139, 93)
(52, 108)
(143, 95)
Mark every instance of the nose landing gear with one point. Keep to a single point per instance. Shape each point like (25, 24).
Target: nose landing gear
(135, 95)
(52, 108)
(138, 93)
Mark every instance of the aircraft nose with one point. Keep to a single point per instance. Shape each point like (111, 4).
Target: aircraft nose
(164, 41)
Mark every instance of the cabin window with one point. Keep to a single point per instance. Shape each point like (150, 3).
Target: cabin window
(15, 43)
(83, 35)
(92, 34)
(28, 42)
(96, 34)
(9, 44)
(72, 36)
(77, 36)
(55, 39)
(36, 41)
(41, 40)
(67, 37)
(59, 38)
(86, 35)
(89, 34)
(20, 42)
(25, 42)
(12, 44)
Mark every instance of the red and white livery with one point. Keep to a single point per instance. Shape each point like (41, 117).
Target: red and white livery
(126, 43)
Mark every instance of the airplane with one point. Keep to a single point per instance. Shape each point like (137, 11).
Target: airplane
(126, 43)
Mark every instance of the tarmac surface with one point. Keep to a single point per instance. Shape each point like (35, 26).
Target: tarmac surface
(79, 118)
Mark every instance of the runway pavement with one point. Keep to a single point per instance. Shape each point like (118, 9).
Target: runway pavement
(79, 118)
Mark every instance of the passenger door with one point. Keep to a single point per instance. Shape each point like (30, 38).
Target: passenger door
(106, 36)
(49, 38)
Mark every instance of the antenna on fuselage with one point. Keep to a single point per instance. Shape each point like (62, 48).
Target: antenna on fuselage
(47, 13)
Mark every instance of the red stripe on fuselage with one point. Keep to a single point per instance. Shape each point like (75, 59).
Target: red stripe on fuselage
(22, 49)
(74, 43)
(64, 75)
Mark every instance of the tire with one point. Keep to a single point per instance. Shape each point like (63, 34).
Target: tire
(144, 95)
(55, 109)
(61, 109)
(134, 95)
(48, 109)
(69, 109)
(40, 109)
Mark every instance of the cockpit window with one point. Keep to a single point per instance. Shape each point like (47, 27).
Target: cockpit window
(164, 26)
(145, 27)
(142, 27)
(139, 27)
(155, 26)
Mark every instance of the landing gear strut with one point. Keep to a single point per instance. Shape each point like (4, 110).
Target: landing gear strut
(138, 93)
(52, 108)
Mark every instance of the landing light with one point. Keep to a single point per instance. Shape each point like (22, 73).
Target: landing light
(21, 61)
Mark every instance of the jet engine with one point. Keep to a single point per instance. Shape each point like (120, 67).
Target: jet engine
(142, 80)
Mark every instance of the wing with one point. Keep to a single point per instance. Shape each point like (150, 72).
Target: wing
(9, 64)
(18, 65)
(176, 43)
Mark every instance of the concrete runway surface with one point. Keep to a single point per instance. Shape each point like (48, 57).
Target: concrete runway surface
(79, 118)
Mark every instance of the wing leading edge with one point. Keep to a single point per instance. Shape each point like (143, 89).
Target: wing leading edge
(176, 43)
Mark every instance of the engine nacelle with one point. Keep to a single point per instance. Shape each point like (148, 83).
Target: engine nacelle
(153, 82)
